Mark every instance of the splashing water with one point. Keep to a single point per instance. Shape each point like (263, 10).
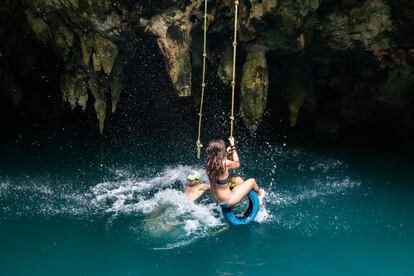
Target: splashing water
(153, 210)
(165, 214)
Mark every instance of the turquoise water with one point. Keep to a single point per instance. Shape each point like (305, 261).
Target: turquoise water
(115, 208)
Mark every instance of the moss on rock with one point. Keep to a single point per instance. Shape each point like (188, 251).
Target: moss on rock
(98, 88)
(253, 89)
(172, 32)
(226, 65)
(74, 89)
(39, 27)
(360, 24)
(63, 38)
(87, 42)
(104, 55)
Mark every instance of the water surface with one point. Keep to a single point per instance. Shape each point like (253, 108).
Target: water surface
(77, 207)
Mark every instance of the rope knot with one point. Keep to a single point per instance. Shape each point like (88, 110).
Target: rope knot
(236, 2)
(233, 83)
(203, 85)
(232, 118)
(234, 44)
(204, 55)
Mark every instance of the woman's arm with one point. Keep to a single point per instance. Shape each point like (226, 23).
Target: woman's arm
(233, 162)
(235, 155)
(232, 165)
(205, 186)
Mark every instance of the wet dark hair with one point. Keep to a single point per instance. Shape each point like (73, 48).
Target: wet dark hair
(216, 154)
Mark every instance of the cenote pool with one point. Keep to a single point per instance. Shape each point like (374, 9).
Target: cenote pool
(70, 207)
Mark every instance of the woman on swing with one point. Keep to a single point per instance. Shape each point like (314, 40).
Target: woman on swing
(220, 161)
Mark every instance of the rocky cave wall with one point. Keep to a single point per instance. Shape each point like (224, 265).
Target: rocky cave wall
(348, 62)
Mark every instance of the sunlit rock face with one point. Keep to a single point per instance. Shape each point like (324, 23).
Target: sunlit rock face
(358, 54)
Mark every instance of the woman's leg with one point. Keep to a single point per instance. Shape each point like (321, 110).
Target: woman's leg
(238, 180)
(241, 190)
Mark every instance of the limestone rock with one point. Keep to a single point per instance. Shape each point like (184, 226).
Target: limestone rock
(104, 55)
(98, 89)
(296, 87)
(253, 89)
(395, 90)
(64, 38)
(172, 31)
(115, 87)
(87, 42)
(347, 41)
(39, 26)
(252, 17)
(10, 85)
(295, 97)
(74, 89)
(226, 65)
(351, 26)
(411, 54)
(327, 126)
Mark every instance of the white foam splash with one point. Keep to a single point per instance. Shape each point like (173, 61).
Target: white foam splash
(168, 214)
(263, 215)
(116, 193)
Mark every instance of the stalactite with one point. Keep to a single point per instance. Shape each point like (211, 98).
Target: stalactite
(98, 90)
(105, 53)
(253, 89)
(74, 89)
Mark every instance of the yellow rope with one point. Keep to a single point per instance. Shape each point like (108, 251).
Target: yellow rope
(203, 83)
(233, 82)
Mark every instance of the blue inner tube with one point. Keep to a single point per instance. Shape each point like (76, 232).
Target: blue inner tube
(248, 216)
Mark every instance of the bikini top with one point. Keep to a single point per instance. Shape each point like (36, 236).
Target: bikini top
(223, 182)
